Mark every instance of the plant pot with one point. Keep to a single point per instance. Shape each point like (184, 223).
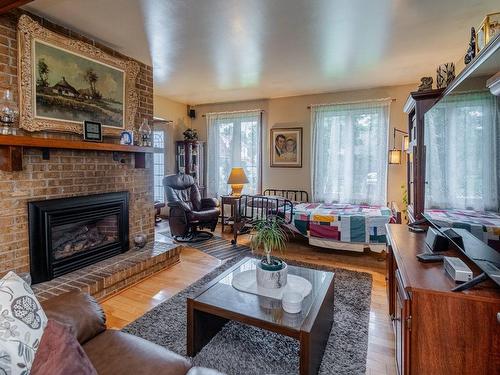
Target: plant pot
(272, 276)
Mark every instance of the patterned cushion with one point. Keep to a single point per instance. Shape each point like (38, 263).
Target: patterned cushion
(22, 322)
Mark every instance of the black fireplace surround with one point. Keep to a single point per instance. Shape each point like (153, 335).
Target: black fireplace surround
(70, 233)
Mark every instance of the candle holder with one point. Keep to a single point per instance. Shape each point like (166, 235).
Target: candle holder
(9, 112)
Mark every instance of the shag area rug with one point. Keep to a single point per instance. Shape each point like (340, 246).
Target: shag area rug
(240, 349)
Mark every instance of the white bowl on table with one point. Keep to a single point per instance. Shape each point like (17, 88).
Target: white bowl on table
(292, 302)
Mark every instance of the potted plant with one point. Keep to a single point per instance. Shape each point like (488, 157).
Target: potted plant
(269, 235)
(190, 134)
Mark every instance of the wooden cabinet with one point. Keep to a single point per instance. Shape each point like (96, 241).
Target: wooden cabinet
(402, 324)
(438, 331)
(418, 103)
(190, 159)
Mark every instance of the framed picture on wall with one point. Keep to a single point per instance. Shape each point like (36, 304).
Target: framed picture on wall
(63, 82)
(286, 147)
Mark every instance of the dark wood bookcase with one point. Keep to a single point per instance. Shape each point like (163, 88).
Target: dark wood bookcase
(190, 159)
(418, 103)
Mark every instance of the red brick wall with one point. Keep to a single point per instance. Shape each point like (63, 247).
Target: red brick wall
(67, 173)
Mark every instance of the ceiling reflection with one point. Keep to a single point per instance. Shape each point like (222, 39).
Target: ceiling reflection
(228, 50)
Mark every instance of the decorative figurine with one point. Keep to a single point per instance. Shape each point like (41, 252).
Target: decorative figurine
(190, 135)
(145, 133)
(471, 51)
(426, 84)
(445, 74)
(127, 137)
(140, 240)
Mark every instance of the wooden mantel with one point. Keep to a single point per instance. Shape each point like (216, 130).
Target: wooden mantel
(11, 149)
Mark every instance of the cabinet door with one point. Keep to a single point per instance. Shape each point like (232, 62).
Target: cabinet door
(402, 321)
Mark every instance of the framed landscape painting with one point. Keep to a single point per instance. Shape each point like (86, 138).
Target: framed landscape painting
(286, 147)
(70, 87)
(65, 82)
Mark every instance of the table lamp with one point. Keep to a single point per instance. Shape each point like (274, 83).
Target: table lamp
(237, 178)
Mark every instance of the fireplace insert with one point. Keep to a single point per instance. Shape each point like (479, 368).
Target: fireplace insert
(70, 233)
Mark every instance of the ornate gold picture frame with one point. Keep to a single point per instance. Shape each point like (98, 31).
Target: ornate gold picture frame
(102, 88)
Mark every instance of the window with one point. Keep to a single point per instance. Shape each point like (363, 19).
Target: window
(462, 140)
(233, 141)
(349, 161)
(159, 164)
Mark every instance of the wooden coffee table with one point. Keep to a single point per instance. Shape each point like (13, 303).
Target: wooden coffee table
(218, 302)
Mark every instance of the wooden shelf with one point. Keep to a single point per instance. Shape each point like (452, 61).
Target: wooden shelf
(11, 149)
(34, 142)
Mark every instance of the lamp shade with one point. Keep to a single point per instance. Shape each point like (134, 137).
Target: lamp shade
(395, 156)
(237, 176)
(406, 142)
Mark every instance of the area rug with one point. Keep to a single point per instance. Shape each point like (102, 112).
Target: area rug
(239, 349)
(221, 248)
(217, 247)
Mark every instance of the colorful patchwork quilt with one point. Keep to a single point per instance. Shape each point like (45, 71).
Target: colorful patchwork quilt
(342, 222)
(483, 225)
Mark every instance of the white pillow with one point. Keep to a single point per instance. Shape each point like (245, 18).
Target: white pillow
(22, 322)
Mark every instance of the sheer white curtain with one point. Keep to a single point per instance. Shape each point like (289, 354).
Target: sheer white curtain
(233, 141)
(462, 139)
(349, 152)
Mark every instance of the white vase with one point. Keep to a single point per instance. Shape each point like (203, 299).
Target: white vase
(271, 279)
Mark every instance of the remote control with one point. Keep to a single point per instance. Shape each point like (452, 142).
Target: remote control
(429, 257)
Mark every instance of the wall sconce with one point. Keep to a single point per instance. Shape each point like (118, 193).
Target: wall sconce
(406, 142)
(395, 155)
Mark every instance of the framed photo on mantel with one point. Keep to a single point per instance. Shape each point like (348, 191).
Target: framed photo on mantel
(286, 147)
(92, 131)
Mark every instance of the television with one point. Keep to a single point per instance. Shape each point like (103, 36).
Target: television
(462, 162)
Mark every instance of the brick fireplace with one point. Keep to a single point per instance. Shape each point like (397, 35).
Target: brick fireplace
(68, 173)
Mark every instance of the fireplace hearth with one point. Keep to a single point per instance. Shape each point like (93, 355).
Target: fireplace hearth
(71, 233)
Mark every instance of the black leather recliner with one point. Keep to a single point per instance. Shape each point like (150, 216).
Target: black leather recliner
(188, 210)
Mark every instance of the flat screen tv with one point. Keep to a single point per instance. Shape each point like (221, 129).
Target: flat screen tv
(462, 163)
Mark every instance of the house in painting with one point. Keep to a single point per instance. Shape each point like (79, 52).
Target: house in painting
(65, 89)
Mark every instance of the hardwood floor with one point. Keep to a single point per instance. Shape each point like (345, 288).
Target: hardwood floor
(133, 302)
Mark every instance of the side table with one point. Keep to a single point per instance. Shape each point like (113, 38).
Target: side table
(232, 201)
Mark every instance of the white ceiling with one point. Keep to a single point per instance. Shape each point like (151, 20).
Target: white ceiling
(228, 50)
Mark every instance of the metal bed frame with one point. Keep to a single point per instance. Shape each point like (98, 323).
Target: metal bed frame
(250, 208)
(293, 195)
(272, 202)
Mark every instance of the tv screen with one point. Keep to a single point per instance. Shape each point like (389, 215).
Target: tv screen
(462, 165)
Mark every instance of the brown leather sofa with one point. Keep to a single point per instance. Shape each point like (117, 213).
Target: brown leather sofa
(112, 351)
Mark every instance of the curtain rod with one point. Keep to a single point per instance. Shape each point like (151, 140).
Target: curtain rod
(230, 112)
(354, 102)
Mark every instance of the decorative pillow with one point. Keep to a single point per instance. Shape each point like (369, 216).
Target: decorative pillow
(60, 353)
(22, 322)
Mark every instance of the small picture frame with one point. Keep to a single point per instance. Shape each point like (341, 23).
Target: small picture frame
(92, 131)
(127, 137)
(286, 147)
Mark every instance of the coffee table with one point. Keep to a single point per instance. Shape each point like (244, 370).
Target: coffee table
(218, 302)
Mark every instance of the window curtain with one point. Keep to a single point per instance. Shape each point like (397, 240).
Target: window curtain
(159, 164)
(349, 152)
(234, 140)
(462, 139)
